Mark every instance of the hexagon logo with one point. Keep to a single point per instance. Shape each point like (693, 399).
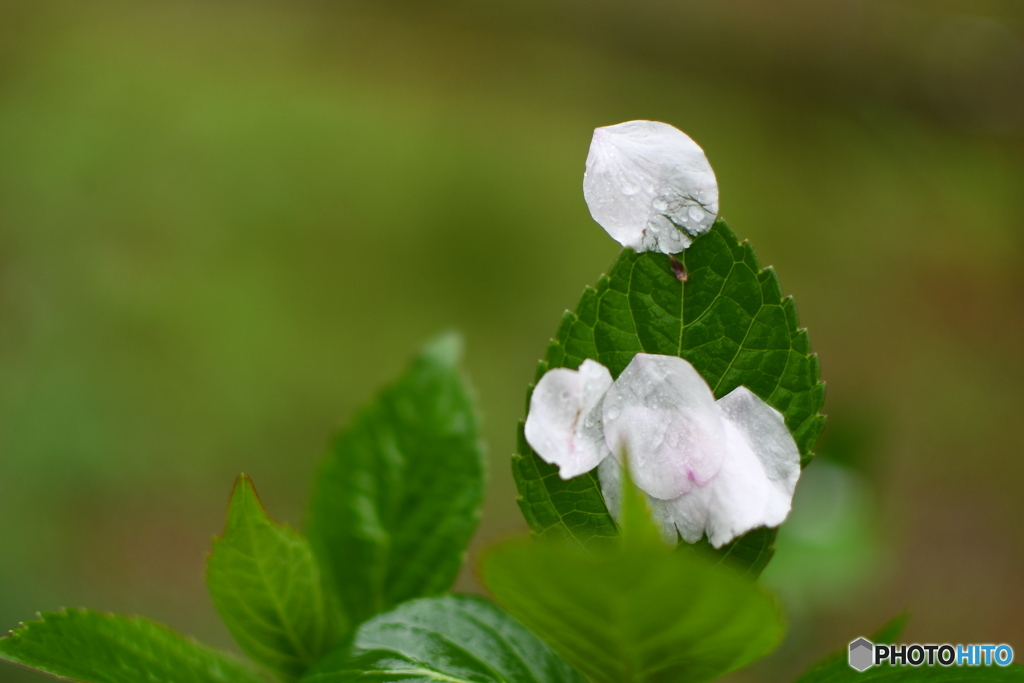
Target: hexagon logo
(862, 654)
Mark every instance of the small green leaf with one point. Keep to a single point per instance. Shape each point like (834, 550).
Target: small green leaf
(634, 612)
(835, 668)
(398, 498)
(107, 648)
(267, 587)
(453, 639)
(729, 320)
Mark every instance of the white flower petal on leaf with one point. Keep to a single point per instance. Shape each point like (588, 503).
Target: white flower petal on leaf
(661, 413)
(755, 487)
(649, 186)
(720, 468)
(690, 512)
(563, 425)
(765, 429)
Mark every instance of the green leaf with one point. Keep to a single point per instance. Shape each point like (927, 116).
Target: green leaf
(835, 668)
(267, 587)
(453, 639)
(398, 498)
(729, 320)
(887, 633)
(842, 672)
(634, 612)
(107, 648)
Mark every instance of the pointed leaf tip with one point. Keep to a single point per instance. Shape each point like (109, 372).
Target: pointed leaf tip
(268, 588)
(445, 349)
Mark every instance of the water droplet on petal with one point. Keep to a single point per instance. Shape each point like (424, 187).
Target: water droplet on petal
(638, 171)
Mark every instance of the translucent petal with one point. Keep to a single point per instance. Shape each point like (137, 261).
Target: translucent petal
(755, 485)
(662, 414)
(649, 186)
(765, 429)
(564, 423)
(610, 474)
(690, 511)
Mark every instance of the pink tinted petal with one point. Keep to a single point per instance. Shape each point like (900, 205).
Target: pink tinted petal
(660, 413)
(564, 422)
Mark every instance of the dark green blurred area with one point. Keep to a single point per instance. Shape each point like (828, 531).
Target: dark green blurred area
(224, 225)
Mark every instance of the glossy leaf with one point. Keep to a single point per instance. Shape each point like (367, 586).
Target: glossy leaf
(729, 319)
(399, 496)
(106, 648)
(454, 639)
(268, 589)
(635, 611)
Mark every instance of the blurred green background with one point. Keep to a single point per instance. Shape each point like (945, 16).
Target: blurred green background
(224, 225)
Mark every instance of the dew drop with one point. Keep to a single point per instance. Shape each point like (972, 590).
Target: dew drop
(696, 213)
(613, 412)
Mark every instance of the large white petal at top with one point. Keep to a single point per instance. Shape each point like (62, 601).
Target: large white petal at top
(662, 415)
(649, 186)
(563, 425)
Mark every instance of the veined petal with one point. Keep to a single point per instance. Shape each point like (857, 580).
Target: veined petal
(564, 423)
(662, 414)
(649, 186)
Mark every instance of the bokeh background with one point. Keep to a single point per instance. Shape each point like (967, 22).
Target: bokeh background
(225, 224)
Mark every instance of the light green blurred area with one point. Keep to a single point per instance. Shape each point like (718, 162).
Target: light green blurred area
(224, 225)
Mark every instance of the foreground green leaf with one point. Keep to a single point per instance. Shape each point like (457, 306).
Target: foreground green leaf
(454, 639)
(729, 320)
(634, 612)
(836, 669)
(106, 648)
(267, 587)
(399, 496)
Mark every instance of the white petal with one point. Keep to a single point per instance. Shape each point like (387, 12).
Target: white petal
(649, 186)
(765, 429)
(610, 474)
(762, 464)
(662, 414)
(690, 511)
(564, 423)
